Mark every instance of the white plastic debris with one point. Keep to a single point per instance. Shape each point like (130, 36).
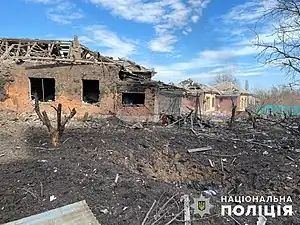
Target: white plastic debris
(125, 208)
(105, 211)
(117, 178)
(212, 164)
(265, 153)
(52, 198)
(210, 192)
(261, 220)
(43, 160)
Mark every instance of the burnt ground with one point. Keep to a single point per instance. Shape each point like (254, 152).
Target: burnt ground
(152, 163)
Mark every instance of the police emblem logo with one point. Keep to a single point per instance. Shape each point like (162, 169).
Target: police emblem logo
(202, 205)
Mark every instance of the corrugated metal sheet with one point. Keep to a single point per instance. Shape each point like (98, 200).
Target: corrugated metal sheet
(73, 214)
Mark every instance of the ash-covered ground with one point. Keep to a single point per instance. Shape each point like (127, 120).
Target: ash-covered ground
(152, 164)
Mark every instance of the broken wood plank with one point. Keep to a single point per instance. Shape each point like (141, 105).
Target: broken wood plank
(30, 49)
(28, 57)
(6, 53)
(203, 149)
(223, 156)
(261, 144)
(148, 213)
(187, 213)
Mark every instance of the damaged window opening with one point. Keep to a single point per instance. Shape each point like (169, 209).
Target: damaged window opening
(44, 88)
(133, 99)
(122, 75)
(90, 91)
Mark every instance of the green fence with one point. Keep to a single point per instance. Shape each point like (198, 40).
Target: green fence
(280, 109)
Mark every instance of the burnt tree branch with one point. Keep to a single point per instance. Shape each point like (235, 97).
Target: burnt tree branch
(57, 132)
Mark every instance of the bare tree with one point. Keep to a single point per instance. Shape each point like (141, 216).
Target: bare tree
(220, 78)
(282, 47)
(55, 132)
(277, 95)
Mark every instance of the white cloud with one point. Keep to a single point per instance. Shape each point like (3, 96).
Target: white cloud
(167, 74)
(64, 13)
(61, 11)
(114, 45)
(166, 16)
(209, 63)
(249, 12)
(163, 43)
(199, 3)
(195, 19)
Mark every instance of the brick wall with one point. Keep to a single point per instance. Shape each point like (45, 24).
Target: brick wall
(68, 89)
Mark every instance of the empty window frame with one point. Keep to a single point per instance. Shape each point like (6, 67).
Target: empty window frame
(90, 91)
(44, 88)
(129, 99)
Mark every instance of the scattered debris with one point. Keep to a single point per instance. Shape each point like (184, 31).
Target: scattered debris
(212, 164)
(203, 149)
(117, 178)
(105, 211)
(137, 126)
(52, 198)
(153, 165)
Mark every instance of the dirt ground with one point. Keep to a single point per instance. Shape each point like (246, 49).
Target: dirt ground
(152, 163)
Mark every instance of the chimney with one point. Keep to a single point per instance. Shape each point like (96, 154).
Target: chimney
(246, 85)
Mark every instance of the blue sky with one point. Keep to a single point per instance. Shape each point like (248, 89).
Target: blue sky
(180, 39)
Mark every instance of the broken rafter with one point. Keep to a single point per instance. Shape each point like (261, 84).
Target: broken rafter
(51, 47)
(30, 49)
(6, 53)
(64, 60)
(18, 49)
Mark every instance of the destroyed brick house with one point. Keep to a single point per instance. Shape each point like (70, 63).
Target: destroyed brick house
(205, 95)
(69, 73)
(216, 98)
(229, 92)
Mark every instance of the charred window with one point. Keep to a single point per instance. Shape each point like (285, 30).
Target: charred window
(90, 91)
(44, 88)
(129, 99)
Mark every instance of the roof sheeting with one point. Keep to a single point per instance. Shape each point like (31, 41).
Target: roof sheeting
(229, 88)
(73, 214)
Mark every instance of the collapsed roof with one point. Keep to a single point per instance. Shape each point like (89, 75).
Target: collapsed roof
(193, 86)
(62, 51)
(229, 88)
